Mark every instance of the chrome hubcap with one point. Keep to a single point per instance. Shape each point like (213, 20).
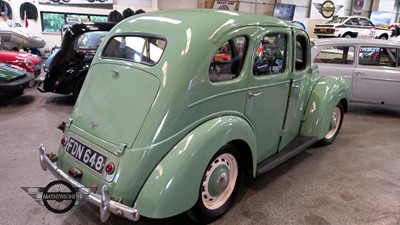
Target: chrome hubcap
(334, 124)
(219, 181)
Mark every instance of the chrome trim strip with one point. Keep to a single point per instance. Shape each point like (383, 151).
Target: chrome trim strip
(102, 201)
(379, 79)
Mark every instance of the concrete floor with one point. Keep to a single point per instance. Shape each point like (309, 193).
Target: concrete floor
(355, 180)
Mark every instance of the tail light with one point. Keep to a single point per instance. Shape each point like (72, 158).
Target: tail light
(110, 168)
(64, 141)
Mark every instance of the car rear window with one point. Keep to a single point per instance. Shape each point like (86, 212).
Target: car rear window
(90, 40)
(139, 49)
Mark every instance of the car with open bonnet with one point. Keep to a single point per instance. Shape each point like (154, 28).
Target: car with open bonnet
(176, 110)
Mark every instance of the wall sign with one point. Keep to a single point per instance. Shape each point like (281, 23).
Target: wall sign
(326, 9)
(226, 5)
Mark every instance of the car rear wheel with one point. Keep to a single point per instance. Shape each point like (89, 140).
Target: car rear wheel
(383, 37)
(347, 35)
(218, 186)
(334, 125)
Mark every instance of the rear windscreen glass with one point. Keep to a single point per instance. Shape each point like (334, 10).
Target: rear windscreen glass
(90, 40)
(139, 49)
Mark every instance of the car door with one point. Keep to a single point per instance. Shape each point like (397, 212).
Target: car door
(366, 28)
(268, 89)
(298, 90)
(377, 77)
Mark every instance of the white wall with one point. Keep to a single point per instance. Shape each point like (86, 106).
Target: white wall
(264, 7)
(53, 39)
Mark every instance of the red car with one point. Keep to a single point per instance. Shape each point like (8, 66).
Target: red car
(30, 62)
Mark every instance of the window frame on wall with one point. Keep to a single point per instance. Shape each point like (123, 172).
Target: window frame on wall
(65, 15)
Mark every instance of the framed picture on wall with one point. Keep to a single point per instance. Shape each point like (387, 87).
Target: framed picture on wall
(284, 11)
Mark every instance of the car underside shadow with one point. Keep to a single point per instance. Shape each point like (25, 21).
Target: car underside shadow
(374, 110)
(60, 100)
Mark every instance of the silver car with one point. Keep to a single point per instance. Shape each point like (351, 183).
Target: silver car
(372, 67)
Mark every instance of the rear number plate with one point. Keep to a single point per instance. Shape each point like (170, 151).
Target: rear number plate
(86, 155)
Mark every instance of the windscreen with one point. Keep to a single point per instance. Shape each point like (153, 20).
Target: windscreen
(139, 49)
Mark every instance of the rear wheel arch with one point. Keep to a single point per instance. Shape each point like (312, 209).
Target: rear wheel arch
(348, 35)
(246, 155)
(383, 37)
(178, 176)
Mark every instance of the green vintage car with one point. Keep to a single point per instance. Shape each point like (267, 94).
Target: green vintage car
(13, 80)
(179, 105)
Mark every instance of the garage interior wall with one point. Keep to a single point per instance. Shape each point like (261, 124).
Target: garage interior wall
(53, 39)
(264, 7)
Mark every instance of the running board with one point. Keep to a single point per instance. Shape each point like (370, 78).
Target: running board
(299, 144)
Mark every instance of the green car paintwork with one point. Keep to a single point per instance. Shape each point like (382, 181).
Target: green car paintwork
(161, 123)
(13, 79)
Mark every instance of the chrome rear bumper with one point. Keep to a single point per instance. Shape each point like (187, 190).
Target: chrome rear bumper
(103, 201)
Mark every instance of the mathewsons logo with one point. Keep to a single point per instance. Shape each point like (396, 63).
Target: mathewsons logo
(58, 196)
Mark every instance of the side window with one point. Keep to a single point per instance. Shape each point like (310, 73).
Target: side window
(336, 55)
(373, 56)
(227, 61)
(364, 22)
(270, 55)
(352, 21)
(302, 47)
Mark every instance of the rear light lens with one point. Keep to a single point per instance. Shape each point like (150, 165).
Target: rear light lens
(110, 168)
(75, 172)
(64, 141)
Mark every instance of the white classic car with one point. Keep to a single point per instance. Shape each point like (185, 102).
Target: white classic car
(351, 27)
(372, 67)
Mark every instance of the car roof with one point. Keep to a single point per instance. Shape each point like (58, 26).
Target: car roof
(354, 41)
(207, 23)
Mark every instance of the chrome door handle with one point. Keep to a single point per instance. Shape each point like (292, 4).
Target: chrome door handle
(358, 73)
(295, 86)
(251, 94)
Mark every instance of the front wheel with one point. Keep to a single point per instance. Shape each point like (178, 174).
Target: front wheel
(334, 125)
(218, 186)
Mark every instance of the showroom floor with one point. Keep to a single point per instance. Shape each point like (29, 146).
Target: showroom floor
(355, 180)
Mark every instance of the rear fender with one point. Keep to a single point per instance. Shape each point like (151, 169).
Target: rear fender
(326, 94)
(173, 187)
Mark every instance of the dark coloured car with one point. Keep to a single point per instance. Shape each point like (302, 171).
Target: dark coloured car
(67, 70)
(13, 80)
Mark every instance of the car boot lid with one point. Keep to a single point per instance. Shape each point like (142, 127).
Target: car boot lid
(114, 102)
